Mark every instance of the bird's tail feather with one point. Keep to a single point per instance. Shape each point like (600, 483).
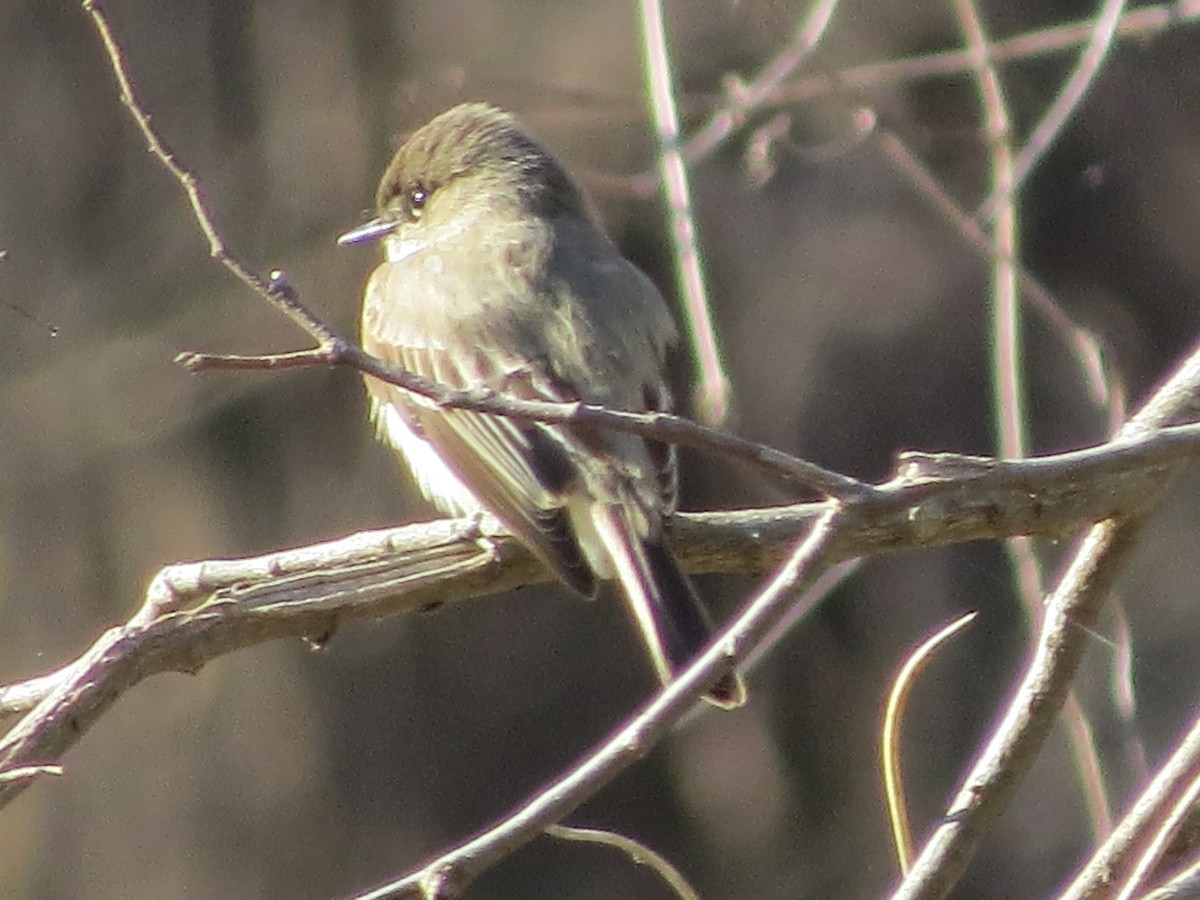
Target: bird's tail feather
(673, 623)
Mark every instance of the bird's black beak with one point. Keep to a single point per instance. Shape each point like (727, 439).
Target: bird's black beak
(368, 231)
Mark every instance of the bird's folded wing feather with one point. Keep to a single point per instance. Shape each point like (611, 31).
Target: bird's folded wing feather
(519, 471)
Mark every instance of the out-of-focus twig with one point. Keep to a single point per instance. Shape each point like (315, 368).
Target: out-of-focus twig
(743, 98)
(713, 390)
(1008, 367)
(1143, 22)
(1061, 110)
(1007, 362)
(1106, 391)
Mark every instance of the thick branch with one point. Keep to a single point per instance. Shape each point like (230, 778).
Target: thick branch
(195, 612)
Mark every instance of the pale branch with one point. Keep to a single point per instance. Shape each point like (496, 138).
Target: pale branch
(712, 389)
(748, 100)
(275, 293)
(1087, 347)
(195, 612)
(1183, 886)
(1010, 397)
(1065, 105)
(1011, 749)
(1071, 609)
(744, 98)
(1114, 860)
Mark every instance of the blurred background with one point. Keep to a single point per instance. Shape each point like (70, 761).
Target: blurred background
(855, 322)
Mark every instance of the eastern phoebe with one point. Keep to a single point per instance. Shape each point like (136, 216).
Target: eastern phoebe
(497, 273)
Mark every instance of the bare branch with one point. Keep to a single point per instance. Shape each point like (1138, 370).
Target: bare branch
(658, 426)
(1182, 886)
(1085, 346)
(1008, 382)
(724, 122)
(713, 389)
(451, 872)
(1071, 609)
(1134, 837)
(195, 612)
(636, 851)
(1062, 109)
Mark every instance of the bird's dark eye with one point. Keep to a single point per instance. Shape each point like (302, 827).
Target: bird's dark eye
(415, 202)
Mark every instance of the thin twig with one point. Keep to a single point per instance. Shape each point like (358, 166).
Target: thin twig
(743, 99)
(830, 581)
(1135, 834)
(638, 852)
(1170, 824)
(1088, 767)
(1015, 743)
(713, 390)
(1086, 347)
(1007, 361)
(1143, 22)
(186, 180)
(658, 426)
(1008, 366)
(889, 739)
(1061, 110)
(26, 773)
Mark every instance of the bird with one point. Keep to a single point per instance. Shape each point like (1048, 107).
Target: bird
(498, 274)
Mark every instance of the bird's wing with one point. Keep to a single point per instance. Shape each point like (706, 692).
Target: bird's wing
(521, 472)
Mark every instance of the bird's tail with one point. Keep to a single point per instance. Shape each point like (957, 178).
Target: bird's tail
(673, 623)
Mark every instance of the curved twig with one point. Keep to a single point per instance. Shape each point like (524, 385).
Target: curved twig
(889, 740)
(638, 852)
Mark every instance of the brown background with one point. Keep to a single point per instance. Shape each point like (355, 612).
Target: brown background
(855, 323)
